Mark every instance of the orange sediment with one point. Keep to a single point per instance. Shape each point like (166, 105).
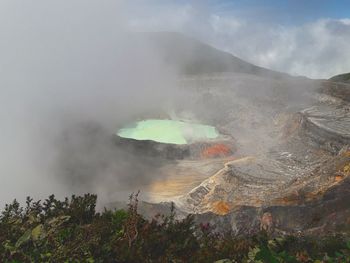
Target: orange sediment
(338, 178)
(216, 150)
(221, 207)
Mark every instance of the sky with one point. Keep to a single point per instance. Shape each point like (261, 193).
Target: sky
(290, 11)
(308, 38)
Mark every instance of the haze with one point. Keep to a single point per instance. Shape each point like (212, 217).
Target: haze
(72, 74)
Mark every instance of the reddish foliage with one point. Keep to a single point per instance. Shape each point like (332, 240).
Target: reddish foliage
(216, 150)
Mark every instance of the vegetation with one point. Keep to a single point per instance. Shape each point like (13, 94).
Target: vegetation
(72, 231)
(341, 78)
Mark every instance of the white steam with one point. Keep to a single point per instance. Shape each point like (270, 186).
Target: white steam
(66, 66)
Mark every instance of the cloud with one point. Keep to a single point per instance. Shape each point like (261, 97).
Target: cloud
(317, 49)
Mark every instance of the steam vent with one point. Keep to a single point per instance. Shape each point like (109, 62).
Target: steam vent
(174, 139)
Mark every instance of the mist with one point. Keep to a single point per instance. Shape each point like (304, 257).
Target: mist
(73, 73)
(70, 77)
(288, 36)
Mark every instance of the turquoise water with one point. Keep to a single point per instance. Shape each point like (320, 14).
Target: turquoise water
(168, 131)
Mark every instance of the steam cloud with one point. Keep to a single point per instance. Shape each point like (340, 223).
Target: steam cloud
(70, 76)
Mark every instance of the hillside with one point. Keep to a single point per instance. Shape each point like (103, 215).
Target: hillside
(191, 56)
(341, 78)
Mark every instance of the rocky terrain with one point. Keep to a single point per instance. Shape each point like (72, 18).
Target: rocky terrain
(295, 172)
(291, 165)
(304, 175)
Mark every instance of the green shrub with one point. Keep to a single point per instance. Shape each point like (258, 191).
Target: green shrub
(72, 231)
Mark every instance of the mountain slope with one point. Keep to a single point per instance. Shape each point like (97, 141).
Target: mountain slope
(341, 78)
(191, 56)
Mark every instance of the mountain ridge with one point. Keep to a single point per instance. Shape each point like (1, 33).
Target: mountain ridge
(341, 78)
(193, 57)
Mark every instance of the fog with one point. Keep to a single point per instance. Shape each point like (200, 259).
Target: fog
(297, 39)
(70, 75)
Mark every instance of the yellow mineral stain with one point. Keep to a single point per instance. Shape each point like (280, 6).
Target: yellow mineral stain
(221, 207)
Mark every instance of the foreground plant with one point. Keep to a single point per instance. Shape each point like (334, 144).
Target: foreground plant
(72, 231)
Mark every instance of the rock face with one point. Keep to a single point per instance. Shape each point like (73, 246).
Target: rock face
(300, 184)
(291, 165)
(330, 212)
(210, 148)
(328, 125)
(336, 90)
